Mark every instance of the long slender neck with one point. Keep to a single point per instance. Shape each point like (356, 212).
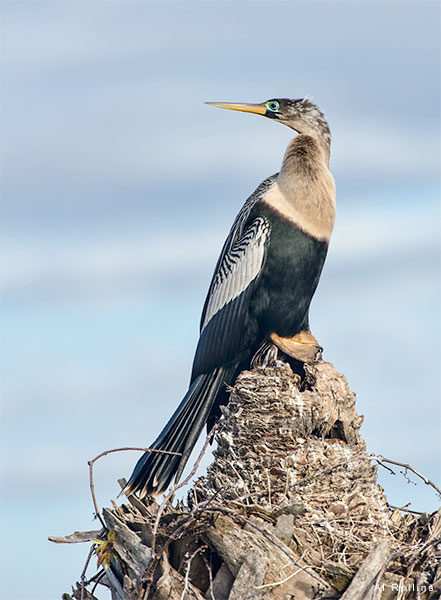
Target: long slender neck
(308, 186)
(316, 128)
(305, 157)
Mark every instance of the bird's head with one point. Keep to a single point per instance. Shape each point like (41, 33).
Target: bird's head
(301, 115)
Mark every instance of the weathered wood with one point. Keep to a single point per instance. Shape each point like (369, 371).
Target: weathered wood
(249, 579)
(236, 545)
(78, 594)
(338, 575)
(128, 546)
(230, 541)
(134, 500)
(76, 538)
(362, 586)
(117, 590)
(174, 586)
(222, 584)
(284, 528)
(290, 508)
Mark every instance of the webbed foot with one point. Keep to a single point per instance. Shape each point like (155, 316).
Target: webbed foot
(303, 346)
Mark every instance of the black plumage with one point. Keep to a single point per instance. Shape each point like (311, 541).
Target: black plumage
(262, 286)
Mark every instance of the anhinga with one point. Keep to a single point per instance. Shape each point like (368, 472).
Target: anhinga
(262, 286)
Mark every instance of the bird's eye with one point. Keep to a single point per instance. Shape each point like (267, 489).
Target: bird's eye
(273, 106)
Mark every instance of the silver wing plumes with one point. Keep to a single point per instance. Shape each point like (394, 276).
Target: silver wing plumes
(239, 268)
(216, 361)
(227, 303)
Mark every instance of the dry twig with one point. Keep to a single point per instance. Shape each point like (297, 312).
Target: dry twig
(151, 567)
(93, 461)
(187, 569)
(381, 460)
(83, 574)
(382, 571)
(178, 486)
(405, 509)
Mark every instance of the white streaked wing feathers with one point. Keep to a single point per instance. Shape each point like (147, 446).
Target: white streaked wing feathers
(240, 266)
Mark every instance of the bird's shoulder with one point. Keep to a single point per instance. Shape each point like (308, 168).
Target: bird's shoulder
(244, 245)
(250, 210)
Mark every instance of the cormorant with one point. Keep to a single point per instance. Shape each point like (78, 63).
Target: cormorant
(263, 283)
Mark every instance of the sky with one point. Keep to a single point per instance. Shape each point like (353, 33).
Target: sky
(118, 187)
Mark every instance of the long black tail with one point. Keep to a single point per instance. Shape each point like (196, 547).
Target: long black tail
(154, 471)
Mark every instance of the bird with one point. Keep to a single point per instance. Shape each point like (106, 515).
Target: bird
(258, 301)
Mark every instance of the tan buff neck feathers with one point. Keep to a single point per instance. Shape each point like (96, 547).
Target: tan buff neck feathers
(304, 191)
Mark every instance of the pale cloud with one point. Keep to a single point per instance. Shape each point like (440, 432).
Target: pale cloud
(102, 102)
(113, 264)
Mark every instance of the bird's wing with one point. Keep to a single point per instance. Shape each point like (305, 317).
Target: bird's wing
(236, 232)
(228, 298)
(240, 267)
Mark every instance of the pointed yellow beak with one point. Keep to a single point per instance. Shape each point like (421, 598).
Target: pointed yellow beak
(257, 109)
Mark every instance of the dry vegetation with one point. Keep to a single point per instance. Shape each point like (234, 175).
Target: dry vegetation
(289, 510)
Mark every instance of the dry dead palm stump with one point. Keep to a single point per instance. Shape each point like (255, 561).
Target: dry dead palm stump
(289, 509)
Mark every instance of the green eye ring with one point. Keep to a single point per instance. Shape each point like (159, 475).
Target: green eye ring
(273, 105)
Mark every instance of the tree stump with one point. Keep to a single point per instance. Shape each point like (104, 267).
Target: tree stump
(289, 509)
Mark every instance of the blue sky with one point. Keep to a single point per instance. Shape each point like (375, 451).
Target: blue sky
(118, 188)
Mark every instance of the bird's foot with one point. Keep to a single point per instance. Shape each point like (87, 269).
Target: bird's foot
(303, 346)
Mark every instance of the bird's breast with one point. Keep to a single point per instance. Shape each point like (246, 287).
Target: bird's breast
(306, 203)
(289, 277)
